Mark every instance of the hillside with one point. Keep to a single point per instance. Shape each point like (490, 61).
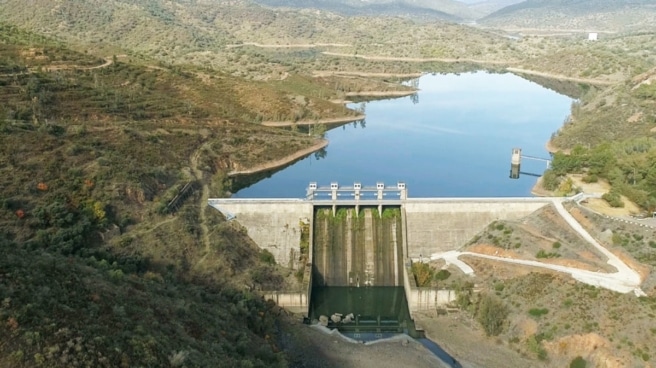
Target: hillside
(450, 10)
(114, 136)
(407, 9)
(110, 255)
(246, 39)
(582, 15)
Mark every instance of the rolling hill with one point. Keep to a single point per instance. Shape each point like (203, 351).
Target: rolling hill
(449, 10)
(484, 8)
(213, 34)
(599, 15)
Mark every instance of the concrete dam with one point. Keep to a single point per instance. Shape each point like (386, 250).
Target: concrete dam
(362, 238)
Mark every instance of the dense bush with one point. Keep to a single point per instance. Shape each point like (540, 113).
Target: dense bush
(613, 198)
(75, 312)
(624, 164)
(492, 314)
(538, 312)
(578, 362)
(442, 275)
(423, 273)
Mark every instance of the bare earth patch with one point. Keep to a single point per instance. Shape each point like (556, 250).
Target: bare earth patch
(635, 117)
(592, 347)
(491, 250)
(458, 333)
(642, 269)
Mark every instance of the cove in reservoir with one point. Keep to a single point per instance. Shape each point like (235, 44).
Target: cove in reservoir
(453, 139)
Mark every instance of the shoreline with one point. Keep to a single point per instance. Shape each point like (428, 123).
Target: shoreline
(282, 161)
(538, 190)
(419, 60)
(597, 82)
(326, 73)
(381, 93)
(345, 119)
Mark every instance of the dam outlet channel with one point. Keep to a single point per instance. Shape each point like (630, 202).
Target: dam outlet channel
(358, 272)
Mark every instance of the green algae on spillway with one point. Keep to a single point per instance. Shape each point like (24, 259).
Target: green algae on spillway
(357, 249)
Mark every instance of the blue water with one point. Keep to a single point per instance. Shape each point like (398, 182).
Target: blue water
(456, 141)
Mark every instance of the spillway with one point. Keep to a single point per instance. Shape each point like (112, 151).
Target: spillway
(357, 249)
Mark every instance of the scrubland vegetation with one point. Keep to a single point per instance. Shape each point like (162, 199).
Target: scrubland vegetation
(117, 126)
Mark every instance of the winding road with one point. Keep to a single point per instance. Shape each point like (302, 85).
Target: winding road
(624, 280)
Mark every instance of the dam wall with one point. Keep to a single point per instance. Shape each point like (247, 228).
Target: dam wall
(370, 248)
(273, 224)
(436, 225)
(357, 249)
(428, 225)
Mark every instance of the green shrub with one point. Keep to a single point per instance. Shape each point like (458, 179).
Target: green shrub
(267, 257)
(492, 314)
(442, 275)
(613, 198)
(538, 312)
(556, 245)
(535, 346)
(542, 254)
(423, 273)
(590, 178)
(578, 362)
(550, 180)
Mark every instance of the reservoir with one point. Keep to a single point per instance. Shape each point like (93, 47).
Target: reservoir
(453, 139)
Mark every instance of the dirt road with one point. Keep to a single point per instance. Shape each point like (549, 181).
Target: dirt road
(625, 280)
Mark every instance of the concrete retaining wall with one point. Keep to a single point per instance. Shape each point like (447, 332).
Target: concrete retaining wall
(438, 225)
(294, 302)
(273, 225)
(429, 299)
(424, 299)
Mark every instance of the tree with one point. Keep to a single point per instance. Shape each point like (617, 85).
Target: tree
(423, 273)
(318, 130)
(492, 314)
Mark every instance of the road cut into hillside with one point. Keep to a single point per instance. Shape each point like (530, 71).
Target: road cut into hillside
(624, 280)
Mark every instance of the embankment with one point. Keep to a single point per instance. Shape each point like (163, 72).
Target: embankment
(281, 162)
(344, 119)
